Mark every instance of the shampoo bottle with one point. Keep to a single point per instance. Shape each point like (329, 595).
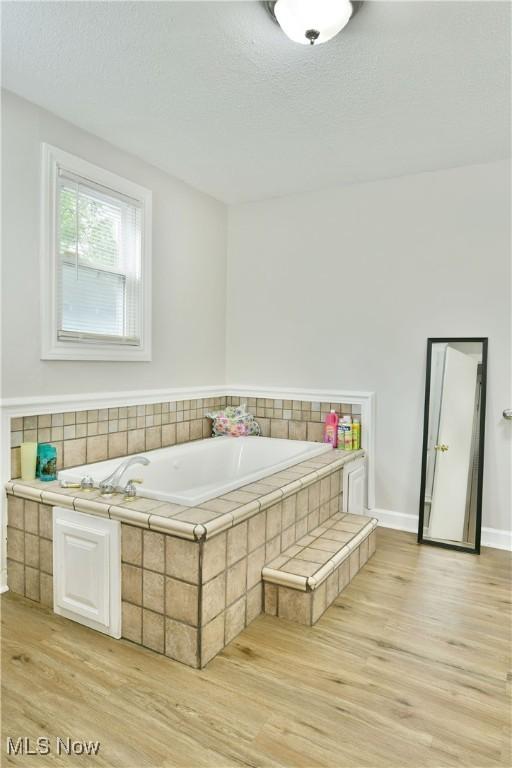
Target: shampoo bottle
(356, 433)
(347, 432)
(331, 429)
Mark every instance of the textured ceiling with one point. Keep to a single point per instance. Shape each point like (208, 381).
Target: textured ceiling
(215, 94)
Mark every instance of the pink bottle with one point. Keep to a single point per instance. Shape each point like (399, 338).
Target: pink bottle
(331, 429)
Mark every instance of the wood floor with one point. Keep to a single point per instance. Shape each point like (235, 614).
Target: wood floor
(407, 668)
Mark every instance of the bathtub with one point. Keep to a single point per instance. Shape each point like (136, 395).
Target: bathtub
(192, 473)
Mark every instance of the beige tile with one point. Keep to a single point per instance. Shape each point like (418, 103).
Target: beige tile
(335, 483)
(273, 548)
(75, 452)
(15, 462)
(234, 620)
(131, 544)
(270, 593)
(319, 601)
(332, 587)
(182, 559)
(183, 432)
(302, 507)
(46, 555)
(314, 496)
(297, 430)
(289, 510)
(301, 528)
(131, 622)
(131, 583)
(182, 601)
(16, 439)
(311, 555)
(153, 589)
(354, 563)
(288, 537)
(274, 520)
(154, 551)
(153, 631)
(325, 490)
(45, 521)
(213, 598)
(15, 513)
(279, 428)
(294, 605)
(31, 517)
(196, 429)
(136, 440)
(214, 556)
(315, 431)
(236, 543)
(236, 581)
(256, 531)
(326, 545)
(343, 575)
(117, 444)
(255, 563)
(32, 584)
(313, 519)
(254, 602)
(16, 577)
(153, 438)
(97, 448)
(46, 589)
(168, 434)
(181, 642)
(363, 551)
(15, 544)
(372, 543)
(300, 567)
(212, 639)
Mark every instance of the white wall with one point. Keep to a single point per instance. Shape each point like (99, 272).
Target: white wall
(189, 269)
(340, 289)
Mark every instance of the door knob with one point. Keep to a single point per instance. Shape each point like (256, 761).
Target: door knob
(507, 413)
(442, 447)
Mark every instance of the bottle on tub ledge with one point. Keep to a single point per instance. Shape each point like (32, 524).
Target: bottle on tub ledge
(356, 433)
(331, 428)
(349, 433)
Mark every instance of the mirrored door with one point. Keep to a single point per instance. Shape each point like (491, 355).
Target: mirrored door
(453, 443)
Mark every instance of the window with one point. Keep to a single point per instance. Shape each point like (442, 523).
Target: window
(96, 262)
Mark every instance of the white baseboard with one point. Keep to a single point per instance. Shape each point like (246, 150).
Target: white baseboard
(491, 537)
(497, 538)
(397, 520)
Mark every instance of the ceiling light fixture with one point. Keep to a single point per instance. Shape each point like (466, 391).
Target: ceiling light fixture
(311, 22)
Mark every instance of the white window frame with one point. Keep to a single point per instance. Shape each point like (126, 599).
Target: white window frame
(51, 347)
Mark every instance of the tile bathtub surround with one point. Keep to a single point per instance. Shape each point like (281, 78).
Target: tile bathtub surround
(188, 587)
(98, 434)
(215, 515)
(293, 419)
(30, 550)
(305, 581)
(83, 437)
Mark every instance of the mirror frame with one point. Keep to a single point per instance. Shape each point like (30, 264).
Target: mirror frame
(478, 527)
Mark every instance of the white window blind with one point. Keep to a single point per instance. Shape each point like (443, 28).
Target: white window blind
(99, 264)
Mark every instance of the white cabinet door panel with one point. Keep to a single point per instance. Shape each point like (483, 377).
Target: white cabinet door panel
(354, 487)
(87, 570)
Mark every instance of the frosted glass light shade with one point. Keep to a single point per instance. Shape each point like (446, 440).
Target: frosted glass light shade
(297, 18)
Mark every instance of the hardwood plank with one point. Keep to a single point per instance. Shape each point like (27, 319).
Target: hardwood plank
(407, 668)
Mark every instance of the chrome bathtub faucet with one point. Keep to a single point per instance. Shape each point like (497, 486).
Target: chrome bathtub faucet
(110, 484)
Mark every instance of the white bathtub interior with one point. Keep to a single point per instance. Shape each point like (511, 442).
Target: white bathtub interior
(192, 473)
